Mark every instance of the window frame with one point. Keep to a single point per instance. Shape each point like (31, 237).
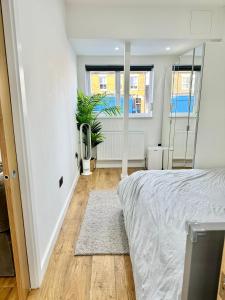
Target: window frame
(118, 70)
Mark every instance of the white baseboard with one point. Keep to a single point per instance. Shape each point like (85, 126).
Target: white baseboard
(55, 234)
(118, 164)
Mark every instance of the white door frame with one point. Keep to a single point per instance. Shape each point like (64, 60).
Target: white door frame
(21, 128)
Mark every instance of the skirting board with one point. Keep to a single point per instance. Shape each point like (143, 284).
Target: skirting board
(55, 234)
(118, 164)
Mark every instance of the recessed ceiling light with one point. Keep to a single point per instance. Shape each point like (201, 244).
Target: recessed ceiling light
(117, 48)
(168, 48)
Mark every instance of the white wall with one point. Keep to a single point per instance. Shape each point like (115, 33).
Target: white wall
(133, 22)
(150, 126)
(49, 101)
(210, 151)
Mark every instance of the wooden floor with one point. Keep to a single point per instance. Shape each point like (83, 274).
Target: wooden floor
(8, 288)
(99, 277)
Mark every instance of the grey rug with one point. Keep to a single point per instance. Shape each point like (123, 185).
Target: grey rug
(102, 230)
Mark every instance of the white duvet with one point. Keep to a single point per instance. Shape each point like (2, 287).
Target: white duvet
(156, 206)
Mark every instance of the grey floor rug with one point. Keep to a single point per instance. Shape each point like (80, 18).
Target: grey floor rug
(102, 230)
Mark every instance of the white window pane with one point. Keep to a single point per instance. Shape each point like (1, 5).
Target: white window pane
(140, 92)
(111, 84)
(134, 81)
(104, 83)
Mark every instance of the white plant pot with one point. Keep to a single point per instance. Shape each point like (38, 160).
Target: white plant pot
(86, 167)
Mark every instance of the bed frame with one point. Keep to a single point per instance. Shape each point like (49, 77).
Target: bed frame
(204, 248)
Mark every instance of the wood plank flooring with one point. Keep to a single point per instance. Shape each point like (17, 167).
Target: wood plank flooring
(8, 289)
(100, 277)
(221, 296)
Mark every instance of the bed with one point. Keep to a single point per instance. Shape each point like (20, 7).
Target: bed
(156, 206)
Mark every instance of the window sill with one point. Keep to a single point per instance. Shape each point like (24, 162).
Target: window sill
(131, 116)
(180, 115)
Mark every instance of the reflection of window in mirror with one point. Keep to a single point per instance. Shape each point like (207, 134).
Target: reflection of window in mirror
(185, 81)
(182, 102)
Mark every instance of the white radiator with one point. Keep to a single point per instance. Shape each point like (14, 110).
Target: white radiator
(112, 147)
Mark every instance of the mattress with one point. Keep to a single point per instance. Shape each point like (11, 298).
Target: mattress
(156, 206)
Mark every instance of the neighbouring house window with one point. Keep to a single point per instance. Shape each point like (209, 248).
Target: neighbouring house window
(185, 80)
(134, 81)
(102, 81)
(111, 83)
(184, 91)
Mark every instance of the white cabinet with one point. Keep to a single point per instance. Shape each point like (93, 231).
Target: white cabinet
(159, 158)
(155, 158)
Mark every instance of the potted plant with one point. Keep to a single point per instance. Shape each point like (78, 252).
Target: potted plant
(88, 110)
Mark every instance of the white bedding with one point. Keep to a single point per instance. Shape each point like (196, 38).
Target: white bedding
(156, 206)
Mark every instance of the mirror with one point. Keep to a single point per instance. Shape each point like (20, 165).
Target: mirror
(181, 109)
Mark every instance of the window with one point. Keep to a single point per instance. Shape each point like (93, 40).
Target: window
(137, 105)
(102, 81)
(134, 82)
(182, 101)
(110, 80)
(140, 94)
(185, 81)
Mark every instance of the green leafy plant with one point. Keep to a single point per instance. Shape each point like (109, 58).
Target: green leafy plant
(87, 112)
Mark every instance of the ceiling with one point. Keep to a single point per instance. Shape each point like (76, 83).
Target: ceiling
(198, 3)
(138, 47)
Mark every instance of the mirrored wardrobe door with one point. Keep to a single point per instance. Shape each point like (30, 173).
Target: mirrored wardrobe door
(199, 65)
(190, 117)
(169, 114)
(182, 143)
(181, 108)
